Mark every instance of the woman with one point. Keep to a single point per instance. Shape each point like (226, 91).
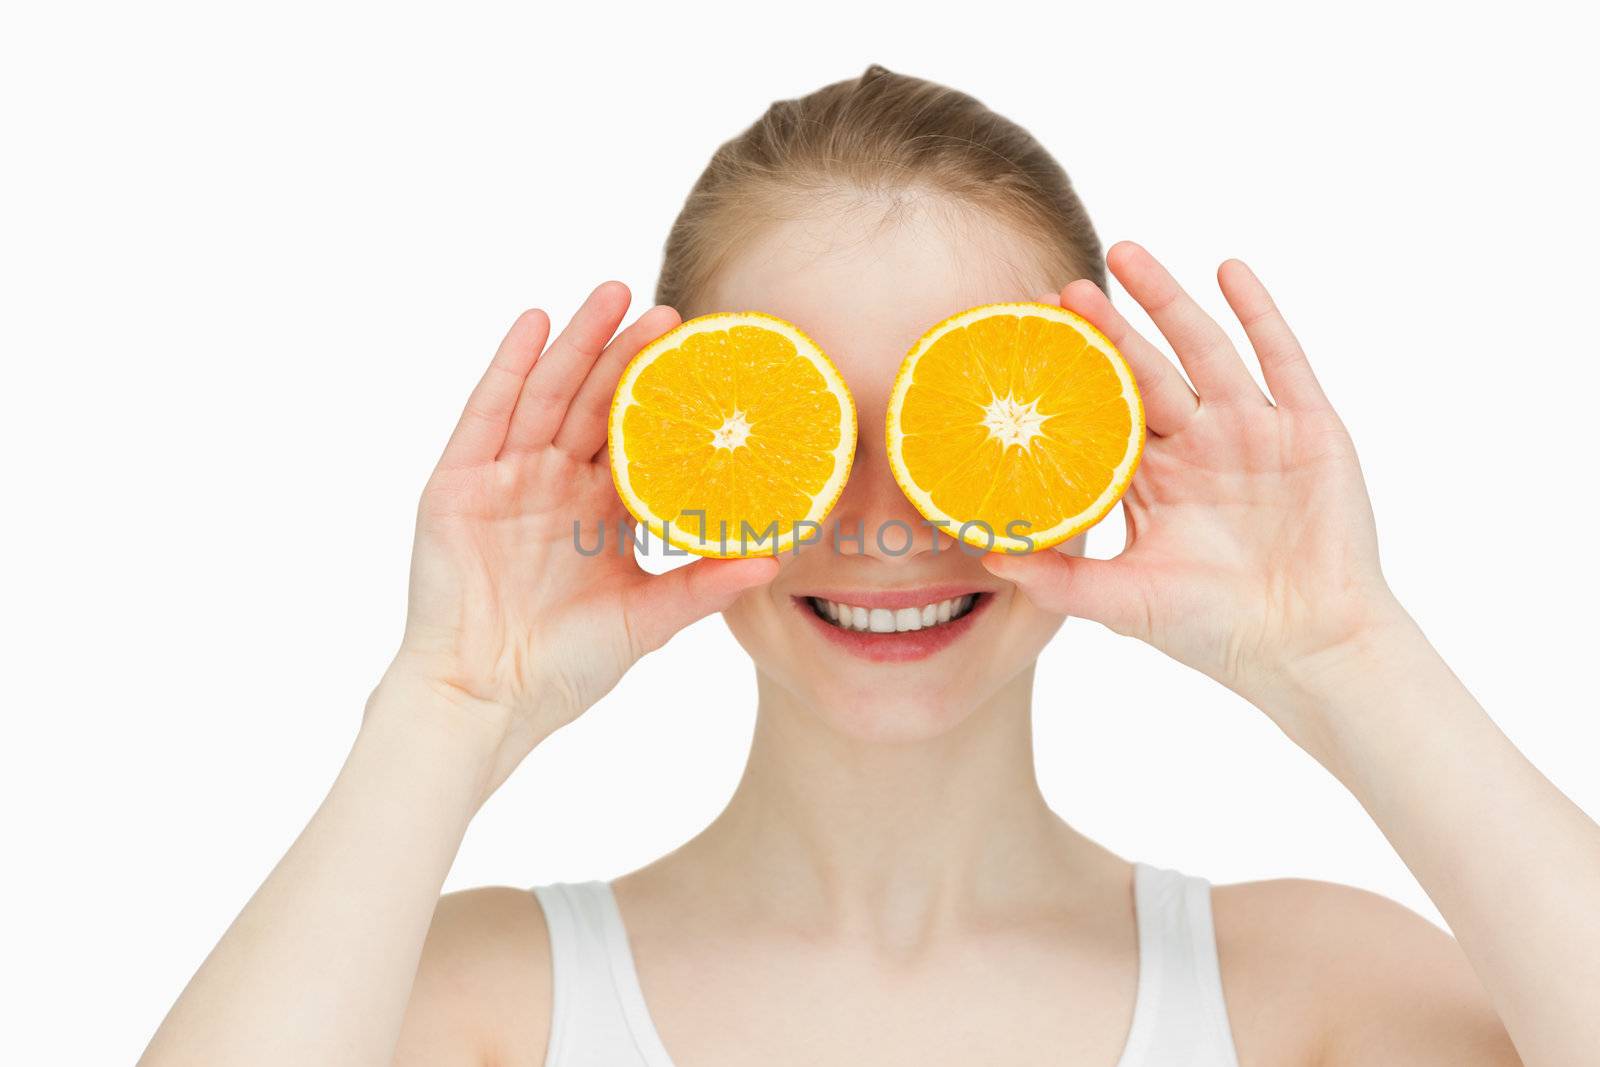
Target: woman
(887, 884)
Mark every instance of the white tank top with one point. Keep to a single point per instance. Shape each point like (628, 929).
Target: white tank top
(599, 1019)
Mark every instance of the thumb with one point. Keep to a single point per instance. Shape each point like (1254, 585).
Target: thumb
(1099, 589)
(663, 604)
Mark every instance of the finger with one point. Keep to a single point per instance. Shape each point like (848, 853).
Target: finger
(1203, 348)
(660, 606)
(1283, 362)
(482, 428)
(1097, 589)
(1168, 401)
(583, 431)
(557, 373)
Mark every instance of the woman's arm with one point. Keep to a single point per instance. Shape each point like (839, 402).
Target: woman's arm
(1252, 556)
(510, 634)
(1512, 864)
(318, 966)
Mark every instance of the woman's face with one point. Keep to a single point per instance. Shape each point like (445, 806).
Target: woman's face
(865, 294)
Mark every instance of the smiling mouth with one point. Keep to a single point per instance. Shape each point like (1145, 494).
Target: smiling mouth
(859, 619)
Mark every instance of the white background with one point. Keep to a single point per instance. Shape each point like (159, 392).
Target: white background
(253, 259)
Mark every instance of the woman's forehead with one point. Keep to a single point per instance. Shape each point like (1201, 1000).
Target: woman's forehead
(868, 295)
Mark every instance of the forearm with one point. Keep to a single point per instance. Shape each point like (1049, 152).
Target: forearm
(1512, 864)
(318, 967)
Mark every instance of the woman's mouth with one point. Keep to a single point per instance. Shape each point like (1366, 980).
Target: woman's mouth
(892, 620)
(894, 626)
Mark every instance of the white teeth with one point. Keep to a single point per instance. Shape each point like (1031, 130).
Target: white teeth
(894, 620)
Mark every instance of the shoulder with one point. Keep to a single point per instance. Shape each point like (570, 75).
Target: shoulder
(1316, 972)
(482, 991)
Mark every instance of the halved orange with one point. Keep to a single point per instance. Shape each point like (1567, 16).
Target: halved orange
(1016, 425)
(729, 433)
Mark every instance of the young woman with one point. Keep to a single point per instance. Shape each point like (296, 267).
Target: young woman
(886, 884)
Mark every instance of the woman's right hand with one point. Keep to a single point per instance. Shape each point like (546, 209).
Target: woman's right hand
(510, 631)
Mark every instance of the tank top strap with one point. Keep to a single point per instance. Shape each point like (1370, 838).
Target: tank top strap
(1179, 1015)
(597, 1010)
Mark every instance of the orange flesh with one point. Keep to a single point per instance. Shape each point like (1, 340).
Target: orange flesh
(688, 394)
(1081, 434)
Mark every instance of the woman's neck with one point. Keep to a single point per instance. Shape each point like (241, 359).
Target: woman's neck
(898, 838)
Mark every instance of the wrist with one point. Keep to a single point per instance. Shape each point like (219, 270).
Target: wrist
(1379, 708)
(460, 735)
(1316, 694)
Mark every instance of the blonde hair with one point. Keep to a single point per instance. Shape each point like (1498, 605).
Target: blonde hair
(860, 142)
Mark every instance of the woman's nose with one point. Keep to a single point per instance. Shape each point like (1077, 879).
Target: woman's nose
(874, 518)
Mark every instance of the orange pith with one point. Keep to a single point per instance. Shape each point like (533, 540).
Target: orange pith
(1018, 425)
(738, 415)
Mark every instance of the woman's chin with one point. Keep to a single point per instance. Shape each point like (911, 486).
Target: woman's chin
(882, 687)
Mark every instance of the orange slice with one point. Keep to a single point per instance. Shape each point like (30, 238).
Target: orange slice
(1017, 425)
(729, 433)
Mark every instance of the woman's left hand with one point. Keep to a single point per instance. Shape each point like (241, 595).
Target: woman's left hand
(1251, 550)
